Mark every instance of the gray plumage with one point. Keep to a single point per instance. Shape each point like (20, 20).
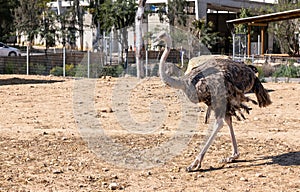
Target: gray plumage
(221, 84)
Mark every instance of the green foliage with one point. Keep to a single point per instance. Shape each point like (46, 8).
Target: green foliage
(290, 71)
(242, 28)
(48, 27)
(70, 70)
(7, 18)
(58, 71)
(9, 68)
(114, 71)
(204, 32)
(176, 12)
(265, 71)
(14, 68)
(28, 17)
(81, 70)
(97, 71)
(37, 69)
(285, 31)
(118, 14)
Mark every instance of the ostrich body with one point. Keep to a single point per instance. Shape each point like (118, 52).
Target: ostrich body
(221, 84)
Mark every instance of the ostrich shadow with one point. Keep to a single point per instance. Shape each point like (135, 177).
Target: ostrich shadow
(285, 159)
(20, 81)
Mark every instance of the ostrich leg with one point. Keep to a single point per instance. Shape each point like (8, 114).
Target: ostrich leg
(196, 165)
(235, 153)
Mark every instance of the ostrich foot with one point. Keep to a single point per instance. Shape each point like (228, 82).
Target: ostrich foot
(195, 166)
(230, 159)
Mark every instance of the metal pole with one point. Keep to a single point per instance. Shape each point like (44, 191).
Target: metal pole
(181, 56)
(27, 60)
(88, 63)
(233, 46)
(146, 62)
(298, 43)
(64, 61)
(110, 47)
(239, 46)
(258, 45)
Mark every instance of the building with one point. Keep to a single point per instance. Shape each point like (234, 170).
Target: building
(202, 7)
(218, 12)
(213, 10)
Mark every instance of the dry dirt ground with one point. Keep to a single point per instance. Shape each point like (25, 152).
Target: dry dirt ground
(59, 134)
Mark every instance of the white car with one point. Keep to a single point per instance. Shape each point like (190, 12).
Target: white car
(9, 51)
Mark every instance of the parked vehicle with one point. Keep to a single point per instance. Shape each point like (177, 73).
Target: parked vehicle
(6, 50)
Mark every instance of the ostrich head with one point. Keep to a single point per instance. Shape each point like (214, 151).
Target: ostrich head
(163, 36)
(178, 83)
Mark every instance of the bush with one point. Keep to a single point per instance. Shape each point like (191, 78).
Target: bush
(81, 70)
(14, 68)
(58, 71)
(265, 71)
(114, 71)
(70, 70)
(9, 68)
(96, 70)
(287, 71)
(37, 69)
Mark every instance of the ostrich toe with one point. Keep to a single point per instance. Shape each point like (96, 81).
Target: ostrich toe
(195, 166)
(230, 159)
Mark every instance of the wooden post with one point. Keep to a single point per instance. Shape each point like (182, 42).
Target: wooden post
(249, 41)
(262, 31)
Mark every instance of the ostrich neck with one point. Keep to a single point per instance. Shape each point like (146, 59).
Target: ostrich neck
(172, 82)
(177, 83)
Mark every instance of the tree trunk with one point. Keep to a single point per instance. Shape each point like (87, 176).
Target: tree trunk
(139, 44)
(79, 14)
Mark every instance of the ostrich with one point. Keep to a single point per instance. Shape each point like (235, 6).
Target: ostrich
(196, 61)
(221, 84)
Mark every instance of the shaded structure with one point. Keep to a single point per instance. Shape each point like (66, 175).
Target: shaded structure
(262, 21)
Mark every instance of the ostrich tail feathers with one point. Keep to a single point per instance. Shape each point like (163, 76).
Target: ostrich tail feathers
(261, 93)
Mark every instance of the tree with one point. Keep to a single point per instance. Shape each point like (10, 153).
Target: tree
(174, 12)
(116, 15)
(242, 28)
(7, 18)
(28, 17)
(77, 20)
(204, 32)
(121, 15)
(48, 28)
(138, 30)
(286, 32)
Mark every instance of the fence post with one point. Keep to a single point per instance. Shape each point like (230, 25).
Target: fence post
(64, 61)
(146, 51)
(258, 45)
(233, 46)
(27, 60)
(181, 56)
(88, 64)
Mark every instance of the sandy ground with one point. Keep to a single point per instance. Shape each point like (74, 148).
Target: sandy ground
(62, 134)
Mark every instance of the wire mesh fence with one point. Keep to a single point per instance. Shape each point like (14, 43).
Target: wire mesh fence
(40, 64)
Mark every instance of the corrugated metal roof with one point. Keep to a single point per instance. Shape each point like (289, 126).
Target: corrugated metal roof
(285, 15)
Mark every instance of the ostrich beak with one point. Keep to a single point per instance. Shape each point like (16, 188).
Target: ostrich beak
(156, 41)
(159, 37)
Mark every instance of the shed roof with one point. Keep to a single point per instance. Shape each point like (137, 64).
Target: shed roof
(285, 15)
